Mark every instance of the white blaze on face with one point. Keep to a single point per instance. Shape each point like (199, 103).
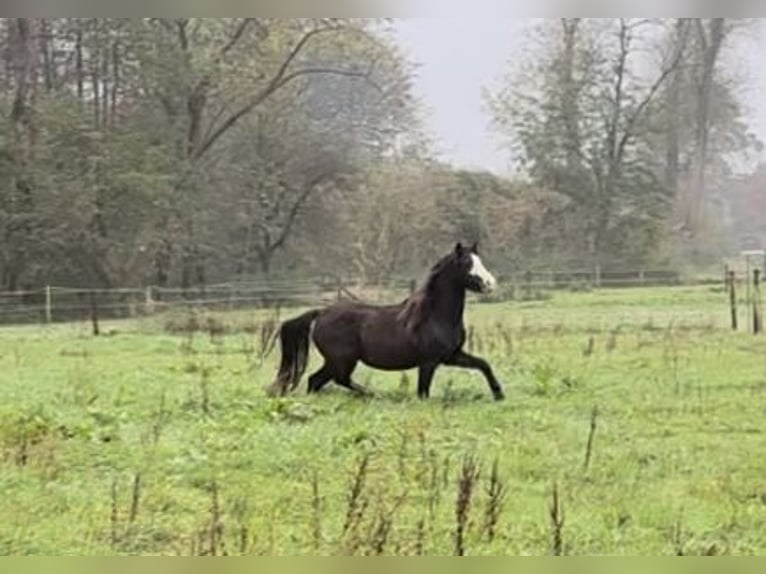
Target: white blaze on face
(478, 270)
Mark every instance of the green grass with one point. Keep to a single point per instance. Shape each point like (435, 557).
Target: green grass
(146, 442)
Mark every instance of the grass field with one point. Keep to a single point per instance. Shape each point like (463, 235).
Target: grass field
(145, 441)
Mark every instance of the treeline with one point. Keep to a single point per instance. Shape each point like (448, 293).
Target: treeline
(178, 152)
(636, 123)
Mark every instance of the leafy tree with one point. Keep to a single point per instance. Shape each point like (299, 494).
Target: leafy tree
(580, 117)
(132, 145)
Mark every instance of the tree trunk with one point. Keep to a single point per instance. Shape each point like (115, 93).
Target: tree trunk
(115, 81)
(162, 259)
(21, 186)
(11, 280)
(195, 106)
(95, 73)
(569, 91)
(672, 109)
(265, 259)
(599, 230)
(23, 71)
(45, 48)
(192, 267)
(186, 273)
(79, 69)
(711, 41)
(105, 61)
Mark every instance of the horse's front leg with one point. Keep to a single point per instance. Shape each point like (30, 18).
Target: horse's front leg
(466, 361)
(425, 376)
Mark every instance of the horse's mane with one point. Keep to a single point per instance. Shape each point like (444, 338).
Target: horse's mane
(416, 307)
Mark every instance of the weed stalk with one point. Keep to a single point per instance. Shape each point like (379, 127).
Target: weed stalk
(591, 435)
(496, 492)
(469, 475)
(556, 512)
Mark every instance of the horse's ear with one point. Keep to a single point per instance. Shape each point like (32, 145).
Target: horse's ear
(459, 248)
(475, 247)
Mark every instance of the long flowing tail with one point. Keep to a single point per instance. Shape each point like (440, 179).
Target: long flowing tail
(294, 342)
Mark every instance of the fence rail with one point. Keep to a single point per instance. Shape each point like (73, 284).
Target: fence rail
(58, 304)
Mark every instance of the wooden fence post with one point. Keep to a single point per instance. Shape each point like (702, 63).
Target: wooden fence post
(94, 314)
(148, 301)
(732, 283)
(757, 301)
(48, 305)
(748, 295)
(528, 285)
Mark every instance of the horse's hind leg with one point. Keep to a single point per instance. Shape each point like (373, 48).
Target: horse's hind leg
(343, 378)
(340, 359)
(352, 386)
(319, 379)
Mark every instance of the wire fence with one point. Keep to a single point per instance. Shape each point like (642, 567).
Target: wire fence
(61, 304)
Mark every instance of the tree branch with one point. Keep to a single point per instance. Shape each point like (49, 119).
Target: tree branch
(630, 125)
(196, 28)
(197, 99)
(701, 34)
(613, 124)
(238, 33)
(162, 22)
(569, 25)
(292, 214)
(183, 39)
(280, 78)
(270, 88)
(638, 22)
(330, 72)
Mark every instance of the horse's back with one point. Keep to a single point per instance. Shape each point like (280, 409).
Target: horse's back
(346, 319)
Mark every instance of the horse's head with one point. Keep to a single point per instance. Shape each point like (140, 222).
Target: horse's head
(475, 276)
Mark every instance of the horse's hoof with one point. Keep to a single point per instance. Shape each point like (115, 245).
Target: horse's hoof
(499, 396)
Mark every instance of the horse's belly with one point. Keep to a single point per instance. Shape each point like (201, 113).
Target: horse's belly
(389, 357)
(381, 350)
(388, 363)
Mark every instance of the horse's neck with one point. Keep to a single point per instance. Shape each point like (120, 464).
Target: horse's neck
(448, 302)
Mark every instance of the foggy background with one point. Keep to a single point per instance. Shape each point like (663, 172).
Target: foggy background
(188, 152)
(451, 76)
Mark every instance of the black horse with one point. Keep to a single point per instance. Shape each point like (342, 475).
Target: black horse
(424, 331)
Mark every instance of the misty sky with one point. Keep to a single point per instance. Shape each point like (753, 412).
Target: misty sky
(457, 58)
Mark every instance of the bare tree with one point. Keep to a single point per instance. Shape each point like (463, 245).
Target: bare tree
(679, 43)
(710, 35)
